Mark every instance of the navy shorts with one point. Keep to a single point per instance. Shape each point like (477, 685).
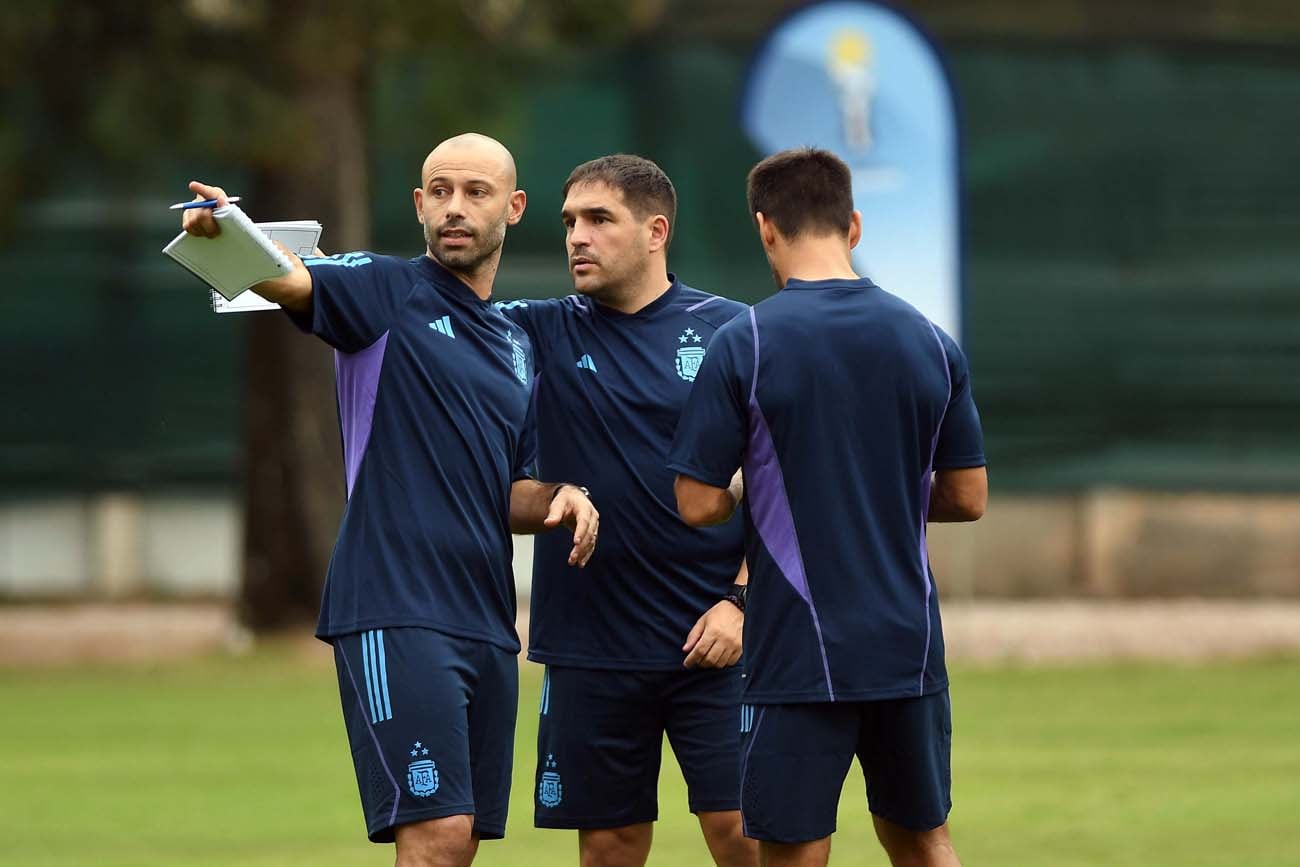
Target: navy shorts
(601, 733)
(794, 758)
(431, 721)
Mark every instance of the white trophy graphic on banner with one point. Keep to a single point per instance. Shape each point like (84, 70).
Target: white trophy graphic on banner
(850, 63)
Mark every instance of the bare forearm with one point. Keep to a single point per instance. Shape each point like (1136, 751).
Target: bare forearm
(292, 291)
(530, 501)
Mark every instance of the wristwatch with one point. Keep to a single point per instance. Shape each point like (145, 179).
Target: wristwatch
(738, 595)
(562, 485)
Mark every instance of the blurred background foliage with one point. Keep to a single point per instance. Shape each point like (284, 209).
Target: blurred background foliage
(1131, 204)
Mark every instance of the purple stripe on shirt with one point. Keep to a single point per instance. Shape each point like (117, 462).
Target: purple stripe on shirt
(356, 376)
(926, 483)
(697, 306)
(769, 507)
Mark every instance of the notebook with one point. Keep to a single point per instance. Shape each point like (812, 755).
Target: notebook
(300, 236)
(242, 256)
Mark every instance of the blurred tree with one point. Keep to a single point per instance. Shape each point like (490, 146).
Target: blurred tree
(281, 92)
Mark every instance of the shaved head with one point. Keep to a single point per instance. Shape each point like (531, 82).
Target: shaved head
(465, 201)
(472, 151)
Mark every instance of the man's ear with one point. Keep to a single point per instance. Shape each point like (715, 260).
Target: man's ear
(518, 202)
(766, 231)
(659, 231)
(419, 205)
(855, 229)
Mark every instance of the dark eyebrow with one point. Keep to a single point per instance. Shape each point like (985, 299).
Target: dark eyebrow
(588, 212)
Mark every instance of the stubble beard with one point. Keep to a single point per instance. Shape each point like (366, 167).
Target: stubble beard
(469, 259)
(619, 285)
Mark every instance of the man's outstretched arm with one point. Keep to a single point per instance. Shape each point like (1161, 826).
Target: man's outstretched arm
(539, 506)
(292, 291)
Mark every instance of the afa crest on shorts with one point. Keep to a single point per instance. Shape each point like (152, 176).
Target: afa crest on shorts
(421, 774)
(550, 792)
(689, 355)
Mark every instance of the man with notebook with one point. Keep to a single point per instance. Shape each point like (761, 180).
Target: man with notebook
(434, 387)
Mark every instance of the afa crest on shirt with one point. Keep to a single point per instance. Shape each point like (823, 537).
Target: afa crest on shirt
(689, 354)
(519, 357)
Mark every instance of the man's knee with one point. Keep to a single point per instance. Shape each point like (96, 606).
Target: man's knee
(814, 853)
(628, 846)
(907, 848)
(446, 842)
(726, 839)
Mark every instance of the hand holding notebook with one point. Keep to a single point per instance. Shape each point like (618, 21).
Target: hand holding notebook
(240, 254)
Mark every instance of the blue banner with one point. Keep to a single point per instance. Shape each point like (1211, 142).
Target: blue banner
(861, 80)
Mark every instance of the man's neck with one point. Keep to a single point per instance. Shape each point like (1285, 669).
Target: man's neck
(818, 260)
(640, 295)
(481, 280)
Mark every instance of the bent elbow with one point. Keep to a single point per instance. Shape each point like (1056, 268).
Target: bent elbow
(693, 514)
(972, 509)
(701, 505)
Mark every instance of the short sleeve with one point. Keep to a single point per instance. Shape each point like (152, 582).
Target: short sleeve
(538, 318)
(525, 463)
(355, 298)
(961, 438)
(709, 444)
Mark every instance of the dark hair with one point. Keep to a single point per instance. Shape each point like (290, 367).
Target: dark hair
(802, 190)
(646, 189)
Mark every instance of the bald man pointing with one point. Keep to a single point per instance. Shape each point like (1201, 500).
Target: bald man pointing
(419, 605)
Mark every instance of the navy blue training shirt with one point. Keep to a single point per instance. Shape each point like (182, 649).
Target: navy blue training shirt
(434, 406)
(840, 399)
(610, 389)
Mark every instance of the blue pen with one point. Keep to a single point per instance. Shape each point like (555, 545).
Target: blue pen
(206, 203)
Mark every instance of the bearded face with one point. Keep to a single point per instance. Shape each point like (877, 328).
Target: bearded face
(460, 245)
(465, 202)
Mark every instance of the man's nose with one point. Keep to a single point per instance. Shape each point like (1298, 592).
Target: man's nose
(456, 204)
(578, 236)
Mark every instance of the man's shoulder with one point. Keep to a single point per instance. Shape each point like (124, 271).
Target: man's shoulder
(716, 310)
(522, 308)
(359, 259)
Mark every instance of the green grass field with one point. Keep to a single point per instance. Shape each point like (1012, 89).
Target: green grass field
(243, 761)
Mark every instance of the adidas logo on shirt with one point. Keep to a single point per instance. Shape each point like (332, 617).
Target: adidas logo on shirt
(587, 364)
(443, 327)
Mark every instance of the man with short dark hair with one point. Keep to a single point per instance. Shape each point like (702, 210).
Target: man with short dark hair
(852, 416)
(438, 446)
(615, 363)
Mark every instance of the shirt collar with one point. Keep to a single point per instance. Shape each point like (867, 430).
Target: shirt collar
(674, 289)
(446, 280)
(835, 283)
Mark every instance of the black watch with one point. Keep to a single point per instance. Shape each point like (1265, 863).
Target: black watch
(738, 595)
(562, 485)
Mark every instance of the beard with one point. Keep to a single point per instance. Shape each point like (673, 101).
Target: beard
(617, 277)
(470, 258)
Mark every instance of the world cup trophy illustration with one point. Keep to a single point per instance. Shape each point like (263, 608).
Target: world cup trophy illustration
(850, 64)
